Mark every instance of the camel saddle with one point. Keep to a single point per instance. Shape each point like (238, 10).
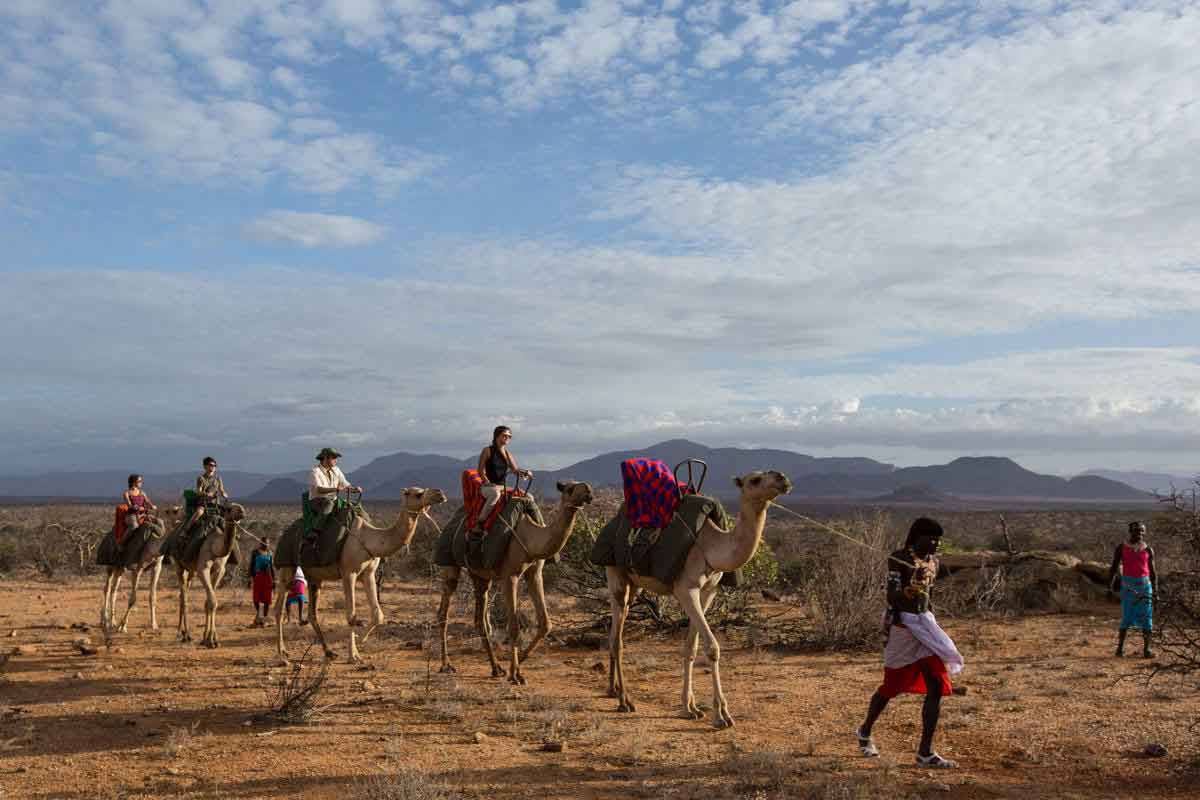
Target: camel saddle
(455, 549)
(658, 553)
(302, 545)
(129, 552)
(183, 544)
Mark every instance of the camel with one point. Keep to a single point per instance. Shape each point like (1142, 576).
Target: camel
(527, 551)
(150, 558)
(715, 552)
(365, 545)
(209, 565)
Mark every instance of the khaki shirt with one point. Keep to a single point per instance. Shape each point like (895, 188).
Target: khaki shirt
(206, 485)
(322, 478)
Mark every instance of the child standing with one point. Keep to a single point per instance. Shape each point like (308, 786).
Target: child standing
(262, 580)
(297, 595)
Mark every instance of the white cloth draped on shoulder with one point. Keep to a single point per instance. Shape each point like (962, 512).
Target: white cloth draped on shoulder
(918, 637)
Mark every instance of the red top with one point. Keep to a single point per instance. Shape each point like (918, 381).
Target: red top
(1135, 563)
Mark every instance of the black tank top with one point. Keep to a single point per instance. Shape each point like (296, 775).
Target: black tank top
(496, 465)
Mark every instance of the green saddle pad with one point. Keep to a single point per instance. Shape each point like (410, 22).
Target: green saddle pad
(660, 553)
(453, 549)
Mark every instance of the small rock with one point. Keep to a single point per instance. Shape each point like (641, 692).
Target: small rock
(78, 676)
(39, 597)
(480, 737)
(171, 771)
(247, 723)
(25, 650)
(553, 747)
(131, 722)
(12, 634)
(771, 594)
(1155, 750)
(960, 690)
(87, 650)
(367, 686)
(599, 667)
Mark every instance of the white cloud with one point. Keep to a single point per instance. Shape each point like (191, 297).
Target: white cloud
(314, 230)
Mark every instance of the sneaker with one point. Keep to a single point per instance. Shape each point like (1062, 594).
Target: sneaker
(934, 761)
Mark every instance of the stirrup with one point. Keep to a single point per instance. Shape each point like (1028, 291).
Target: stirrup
(866, 744)
(935, 761)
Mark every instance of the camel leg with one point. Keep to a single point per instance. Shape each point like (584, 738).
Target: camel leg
(449, 586)
(514, 630)
(537, 593)
(690, 709)
(314, 588)
(209, 639)
(372, 590)
(283, 579)
(155, 573)
(105, 607)
(483, 622)
(133, 587)
(618, 592)
(348, 583)
(689, 600)
(185, 631)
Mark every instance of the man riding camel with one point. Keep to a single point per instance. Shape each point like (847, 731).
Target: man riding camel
(324, 483)
(209, 488)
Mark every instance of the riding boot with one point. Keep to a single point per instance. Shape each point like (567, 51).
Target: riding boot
(1146, 653)
(1121, 642)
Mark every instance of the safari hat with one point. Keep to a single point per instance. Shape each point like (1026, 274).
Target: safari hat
(328, 452)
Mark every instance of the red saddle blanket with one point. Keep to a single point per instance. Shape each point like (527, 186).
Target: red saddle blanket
(651, 492)
(473, 501)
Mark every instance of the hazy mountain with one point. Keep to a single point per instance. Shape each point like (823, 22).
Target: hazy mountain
(723, 464)
(920, 494)
(1146, 481)
(812, 477)
(279, 490)
(111, 483)
(387, 469)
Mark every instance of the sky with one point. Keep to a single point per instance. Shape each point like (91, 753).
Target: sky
(903, 230)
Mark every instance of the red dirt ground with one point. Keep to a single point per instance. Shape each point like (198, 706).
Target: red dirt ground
(1045, 714)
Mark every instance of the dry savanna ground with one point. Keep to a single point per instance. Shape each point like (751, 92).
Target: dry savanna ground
(1048, 712)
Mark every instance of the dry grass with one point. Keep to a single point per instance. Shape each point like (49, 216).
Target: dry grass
(404, 784)
(180, 740)
(295, 700)
(847, 592)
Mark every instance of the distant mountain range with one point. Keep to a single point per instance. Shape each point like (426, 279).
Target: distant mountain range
(1160, 482)
(860, 479)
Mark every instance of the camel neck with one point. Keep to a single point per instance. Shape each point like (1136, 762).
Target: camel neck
(542, 543)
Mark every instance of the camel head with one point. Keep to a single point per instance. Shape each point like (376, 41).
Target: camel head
(763, 487)
(234, 512)
(576, 494)
(418, 499)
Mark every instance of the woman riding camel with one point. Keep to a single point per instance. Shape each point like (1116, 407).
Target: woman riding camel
(494, 464)
(138, 502)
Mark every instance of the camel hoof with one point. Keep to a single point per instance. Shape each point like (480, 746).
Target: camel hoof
(447, 668)
(722, 721)
(123, 629)
(517, 680)
(627, 706)
(498, 672)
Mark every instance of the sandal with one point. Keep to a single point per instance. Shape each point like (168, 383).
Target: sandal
(935, 761)
(866, 745)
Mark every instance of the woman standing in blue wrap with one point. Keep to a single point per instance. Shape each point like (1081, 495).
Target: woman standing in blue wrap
(1135, 561)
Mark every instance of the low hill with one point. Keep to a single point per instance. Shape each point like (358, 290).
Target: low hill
(919, 494)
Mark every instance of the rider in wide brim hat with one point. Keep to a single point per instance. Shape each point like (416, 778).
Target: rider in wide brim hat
(328, 452)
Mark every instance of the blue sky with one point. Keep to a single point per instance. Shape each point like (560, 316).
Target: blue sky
(903, 230)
